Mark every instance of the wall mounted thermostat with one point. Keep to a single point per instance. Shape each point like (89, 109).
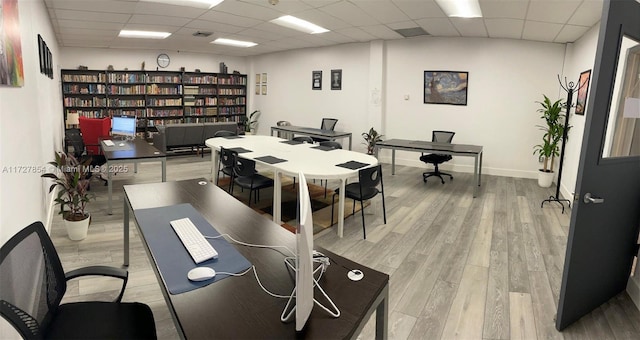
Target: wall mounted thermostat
(163, 60)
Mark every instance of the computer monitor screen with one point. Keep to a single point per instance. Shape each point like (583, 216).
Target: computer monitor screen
(123, 126)
(304, 258)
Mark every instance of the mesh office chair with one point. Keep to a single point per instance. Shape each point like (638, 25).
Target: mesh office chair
(247, 177)
(327, 124)
(436, 159)
(74, 144)
(304, 139)
(33, 283)
(365, 189)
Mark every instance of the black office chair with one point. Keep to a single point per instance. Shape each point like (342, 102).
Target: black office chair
(33, 283)
(226, 164)
(207, 135)
(304, 139)
(327, 124)
(436, 159)
(74, 144)
(246, 176)
(366, 188)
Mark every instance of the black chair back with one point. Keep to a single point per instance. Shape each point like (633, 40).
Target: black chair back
(227, 157)
(223, 133)
(331, 144)
(73, 139)
(32, 280)
(439, 136)
(328, 123)
(304, 139)
(244, 167)
(370, 177)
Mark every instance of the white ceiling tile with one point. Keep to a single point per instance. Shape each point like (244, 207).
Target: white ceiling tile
(337, 38)
(226, 18)
(473, 27)
(109, 6)
(153, 19)
(204, 25)
(402, 25)
(381, 32)
(357, 34)
(540, 31)
(90, 25)
(91, 16)
(244, 9)
(152, 8)
(420, 9)
(570, 33)
(383, 11)
(504, 28)
(515, 9)
(88, 32)
(159, 27)
(323, 19)
(552, 10)
(589, 12)
(348, 12)
(438, 27)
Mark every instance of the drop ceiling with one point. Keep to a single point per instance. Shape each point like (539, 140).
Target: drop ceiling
(96, 23)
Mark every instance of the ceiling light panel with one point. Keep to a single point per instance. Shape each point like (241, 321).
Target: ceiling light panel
(299, 24)
(191, 3)
(231, 42)
(143, 34)
(460, 8)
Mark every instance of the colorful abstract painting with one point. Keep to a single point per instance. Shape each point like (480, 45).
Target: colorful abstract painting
(583, 91)
(445, 87)
(11, 68)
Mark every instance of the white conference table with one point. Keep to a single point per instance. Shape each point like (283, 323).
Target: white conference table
(313, 163)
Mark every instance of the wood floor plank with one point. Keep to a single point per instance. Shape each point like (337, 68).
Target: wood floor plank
(434, 315)
(466, 316)
(496, 315)
(544, 306)
(479, 254)
(521, 316)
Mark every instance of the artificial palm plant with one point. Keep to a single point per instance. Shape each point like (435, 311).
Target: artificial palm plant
(553, 129)
(370, 139)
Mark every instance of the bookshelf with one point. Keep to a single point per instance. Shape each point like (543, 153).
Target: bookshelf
(155, 97)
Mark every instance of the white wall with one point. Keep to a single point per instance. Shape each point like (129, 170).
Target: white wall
(101, 58)
(291, 98)
(31, 130)
(580, 57)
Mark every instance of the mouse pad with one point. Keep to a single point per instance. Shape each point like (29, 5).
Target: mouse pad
(172, 258)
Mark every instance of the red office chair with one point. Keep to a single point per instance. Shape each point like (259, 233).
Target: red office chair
(93, 129)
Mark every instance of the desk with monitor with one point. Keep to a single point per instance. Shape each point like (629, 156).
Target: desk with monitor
(129, 151)
(313, 132)
(443, 148)
(306, 158)
(236, 307)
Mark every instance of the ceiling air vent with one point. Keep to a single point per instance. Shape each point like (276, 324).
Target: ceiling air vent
(411, 32)
(202, 34)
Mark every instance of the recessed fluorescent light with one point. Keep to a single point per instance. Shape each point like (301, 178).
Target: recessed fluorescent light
(299, 24)
(231, 42)
(461, 8)
(190, 3)
(143, 34)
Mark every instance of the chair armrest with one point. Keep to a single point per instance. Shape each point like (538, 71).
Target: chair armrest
(101, 271)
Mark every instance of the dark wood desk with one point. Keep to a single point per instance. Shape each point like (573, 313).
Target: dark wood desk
(313, 132)
(133, 151)
(236, 307)
(443, 148)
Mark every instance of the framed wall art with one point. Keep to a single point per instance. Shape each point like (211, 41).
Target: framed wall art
(583, 91)
(336, 79)
(316, 80)
(445, 87)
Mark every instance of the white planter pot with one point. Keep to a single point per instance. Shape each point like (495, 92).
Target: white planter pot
(545, 179)
(77, 230)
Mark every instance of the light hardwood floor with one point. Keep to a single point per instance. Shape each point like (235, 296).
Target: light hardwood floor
(460, 268)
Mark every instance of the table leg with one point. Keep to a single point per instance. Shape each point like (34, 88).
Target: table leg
(393, 161)
(215, 160)
(382, 319)
(480, 170)
(110, 189)
(272, 131)
(164, 169)
(135, 168)
(126, 230)
(475, 176)
(341, 208)
(277, 197)
(350, 142)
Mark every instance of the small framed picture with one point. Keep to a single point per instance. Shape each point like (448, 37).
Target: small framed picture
(316, 80)
(257, 78)
(583, 91)
(258, 89)
(336, 79)
(264, 89)
(264, 78)
(41, 54)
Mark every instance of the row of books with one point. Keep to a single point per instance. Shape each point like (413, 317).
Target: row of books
(83, 88)
(85, 102)
(164, 101)
(85, 78)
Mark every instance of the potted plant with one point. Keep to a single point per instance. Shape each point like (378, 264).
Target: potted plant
(250, 122)
(371, 138)
(553, 130)
(72, 179)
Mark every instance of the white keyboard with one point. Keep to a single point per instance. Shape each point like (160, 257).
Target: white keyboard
(198, 247)
(108, 142)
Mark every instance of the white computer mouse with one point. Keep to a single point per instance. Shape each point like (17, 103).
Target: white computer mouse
(121, 144)
(201, 274)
